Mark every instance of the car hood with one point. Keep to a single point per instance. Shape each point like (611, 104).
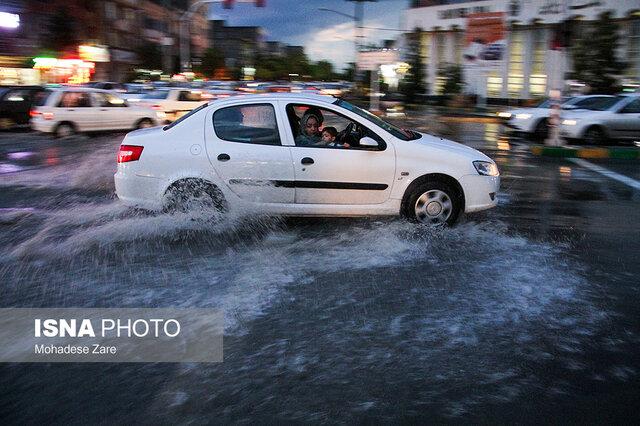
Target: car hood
(430, 142)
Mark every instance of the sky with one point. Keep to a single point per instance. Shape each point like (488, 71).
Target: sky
(324, 35)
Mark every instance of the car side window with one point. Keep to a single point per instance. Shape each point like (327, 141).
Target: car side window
(255, 124)
(75, 100)
(317, 127)
(632, 107)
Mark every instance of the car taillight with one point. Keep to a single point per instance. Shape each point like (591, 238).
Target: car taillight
(33, 113)
(156, 107)
(129, 153)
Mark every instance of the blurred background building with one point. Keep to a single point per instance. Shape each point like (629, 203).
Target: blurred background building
(519, 65)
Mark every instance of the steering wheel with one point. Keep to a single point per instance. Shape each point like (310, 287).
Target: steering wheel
(351, 134)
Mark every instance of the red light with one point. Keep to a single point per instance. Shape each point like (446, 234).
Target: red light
(157, 107)
(129, 153)
(33, 113)
(227, 4)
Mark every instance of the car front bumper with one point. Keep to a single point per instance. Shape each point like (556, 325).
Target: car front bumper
(480, 192)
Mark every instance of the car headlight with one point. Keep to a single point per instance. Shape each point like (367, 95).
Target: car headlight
(504, 114)
(569, 122)
(486, 168)
(523, 116)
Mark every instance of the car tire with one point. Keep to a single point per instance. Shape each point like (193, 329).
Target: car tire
(64, 130)
(144, 123)
(594, 136)
(194, 195)
(433, 202)
(541, 131)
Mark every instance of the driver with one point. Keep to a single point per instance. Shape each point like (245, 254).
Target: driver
(310, 129)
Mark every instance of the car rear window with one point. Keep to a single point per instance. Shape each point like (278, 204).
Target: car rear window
(41, 98)
(254, 123)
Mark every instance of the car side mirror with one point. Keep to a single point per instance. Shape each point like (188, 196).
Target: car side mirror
(367, 142)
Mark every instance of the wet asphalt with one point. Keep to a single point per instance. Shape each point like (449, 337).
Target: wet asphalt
(527, 313)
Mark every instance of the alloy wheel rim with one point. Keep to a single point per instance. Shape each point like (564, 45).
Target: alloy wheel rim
(433, 207)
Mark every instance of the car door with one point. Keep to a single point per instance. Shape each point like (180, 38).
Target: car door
(335, 175)
(77, 107)
(113, 112)
(244, 145)
(626, 122)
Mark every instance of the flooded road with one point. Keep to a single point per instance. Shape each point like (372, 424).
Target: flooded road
(525, 313)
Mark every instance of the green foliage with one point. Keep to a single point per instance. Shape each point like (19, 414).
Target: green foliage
(212, 60)
(594, 56)
(413, 84)
(149, 56)
(279, 67)
(452, 75)
(349, 73)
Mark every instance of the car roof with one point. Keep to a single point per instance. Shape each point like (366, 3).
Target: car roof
(300, 97)
(79, 89)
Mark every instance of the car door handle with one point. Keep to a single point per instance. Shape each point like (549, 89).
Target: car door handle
(224, 157)
(307, 160)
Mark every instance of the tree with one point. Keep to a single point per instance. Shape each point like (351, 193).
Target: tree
(413, 84)
(594, 56)
(149, 56)
(452, 75)
(322, 70)
(349, 73)
(212, 60)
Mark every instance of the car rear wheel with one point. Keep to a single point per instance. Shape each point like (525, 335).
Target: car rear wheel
(144, 123)
(434, 203)
(594, 136)
(194, 195)
(65, 130)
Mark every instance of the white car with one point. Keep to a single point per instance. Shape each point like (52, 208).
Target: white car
(174, 102)
(533, 121)
(616, 118)
(68, 110)
(254, 152)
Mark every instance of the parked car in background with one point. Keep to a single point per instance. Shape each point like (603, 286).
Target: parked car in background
(69, 110)
(15, 104)
(533, 122)
(174, 102)
(108, 85)
(253, 153)
(612, 119)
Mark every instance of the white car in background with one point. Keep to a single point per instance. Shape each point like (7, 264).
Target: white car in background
(249, 153)
(68, 110)
(532, 122)
(173, 102)
(617, 118)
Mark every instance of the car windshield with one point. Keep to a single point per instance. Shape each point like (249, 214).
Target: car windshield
(395, 131)
(156, 94)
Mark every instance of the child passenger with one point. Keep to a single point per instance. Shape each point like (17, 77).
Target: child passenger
(329, 135)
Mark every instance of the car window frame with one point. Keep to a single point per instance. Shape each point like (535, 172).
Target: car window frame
(249, 104)
(382, 144)
(622, 110)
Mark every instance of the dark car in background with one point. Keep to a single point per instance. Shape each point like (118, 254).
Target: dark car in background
(15, 104)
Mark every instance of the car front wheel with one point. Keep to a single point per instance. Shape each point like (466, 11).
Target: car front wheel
(434, 203)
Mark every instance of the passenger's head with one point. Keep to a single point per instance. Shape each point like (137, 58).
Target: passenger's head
(310, 124)
(329, 134)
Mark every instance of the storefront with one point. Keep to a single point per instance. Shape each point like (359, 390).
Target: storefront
(526, 68)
